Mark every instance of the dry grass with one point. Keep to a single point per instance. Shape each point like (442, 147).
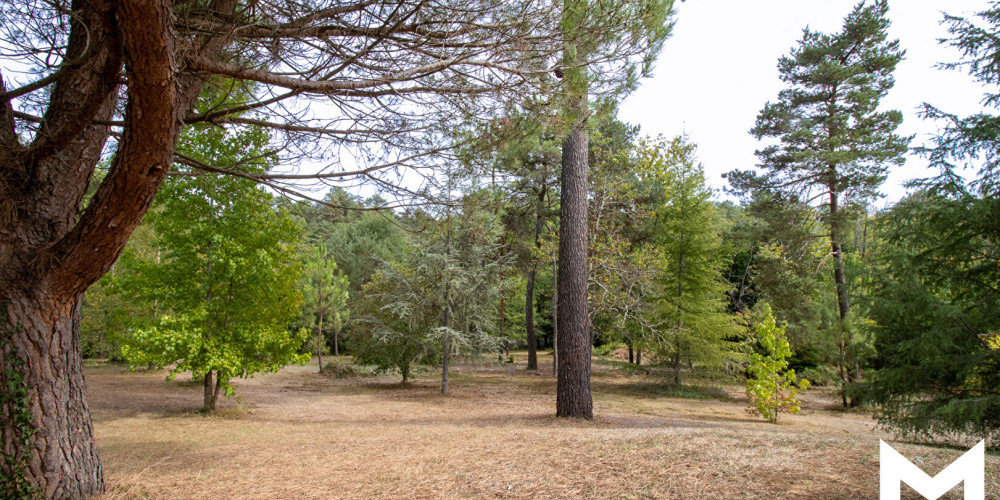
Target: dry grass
(296, 434)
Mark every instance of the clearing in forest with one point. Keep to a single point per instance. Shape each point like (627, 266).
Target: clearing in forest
(299, 434)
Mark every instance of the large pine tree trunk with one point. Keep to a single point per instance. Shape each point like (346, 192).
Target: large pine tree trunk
(50, 249)
(573, 398)
(555, 318)
(64, 460)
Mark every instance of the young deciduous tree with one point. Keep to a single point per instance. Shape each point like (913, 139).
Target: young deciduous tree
(772, 386)
(227, 278)
(834, 142)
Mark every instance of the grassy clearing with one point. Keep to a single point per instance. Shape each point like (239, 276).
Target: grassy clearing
(296, 434)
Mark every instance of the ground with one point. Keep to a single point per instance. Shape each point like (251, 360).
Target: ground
(298, 434)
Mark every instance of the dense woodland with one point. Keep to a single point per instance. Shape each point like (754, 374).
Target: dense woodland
(471, 220)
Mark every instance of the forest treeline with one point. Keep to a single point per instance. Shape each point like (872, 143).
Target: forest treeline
(153, 210)
(894, 305)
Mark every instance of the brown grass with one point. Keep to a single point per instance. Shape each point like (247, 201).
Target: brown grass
(297, 434)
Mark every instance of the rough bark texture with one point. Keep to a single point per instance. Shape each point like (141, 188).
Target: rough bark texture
(573, 394)
(555, 317)
(50, 252)
(65, 462)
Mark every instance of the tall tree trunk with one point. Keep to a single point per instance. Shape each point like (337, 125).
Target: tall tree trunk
(680, 308)
(336, 339)
(529, 318)
(631, 353)
(573, 398)
(64, 460)
(529, 296)
(843, 301)
(638, 357)
(555, 317)
(503, 336)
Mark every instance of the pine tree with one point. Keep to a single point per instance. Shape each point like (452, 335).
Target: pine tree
(833, 141)
(326, 293)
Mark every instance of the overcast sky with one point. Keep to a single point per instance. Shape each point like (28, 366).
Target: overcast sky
(720, 67)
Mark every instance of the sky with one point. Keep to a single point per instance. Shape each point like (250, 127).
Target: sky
(719, 68)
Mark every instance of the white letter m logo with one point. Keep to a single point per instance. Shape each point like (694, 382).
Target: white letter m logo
(970, 467)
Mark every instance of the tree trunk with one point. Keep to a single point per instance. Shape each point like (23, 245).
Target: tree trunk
(336, 341)
(529, 319)
(843, 301)
(51, 248)
(573, 398)
(64, 461)
(555, 317)
(638, 357)
(631, 353)
(208, 399)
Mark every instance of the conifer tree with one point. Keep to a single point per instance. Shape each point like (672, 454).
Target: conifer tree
(937, 303)
(692, 296)
(834, 143)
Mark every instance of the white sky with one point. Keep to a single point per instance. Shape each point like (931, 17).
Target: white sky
(720, 67)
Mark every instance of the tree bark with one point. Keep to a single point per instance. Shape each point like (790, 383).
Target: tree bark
(573, 397)
(843, 301)
(50, 252)
(64, 459)
(208, 390)
(555, 317)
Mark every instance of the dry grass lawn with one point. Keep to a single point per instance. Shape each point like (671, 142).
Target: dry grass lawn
(297, 434)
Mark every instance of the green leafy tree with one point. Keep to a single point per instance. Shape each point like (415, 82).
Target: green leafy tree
(227, 278)
(772, 386)
(833, 141)
(692, 292)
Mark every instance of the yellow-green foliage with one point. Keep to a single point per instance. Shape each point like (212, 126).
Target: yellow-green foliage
(770, 390)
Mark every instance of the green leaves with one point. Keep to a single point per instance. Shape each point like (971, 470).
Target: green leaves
(226, 271)
(772, 387)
